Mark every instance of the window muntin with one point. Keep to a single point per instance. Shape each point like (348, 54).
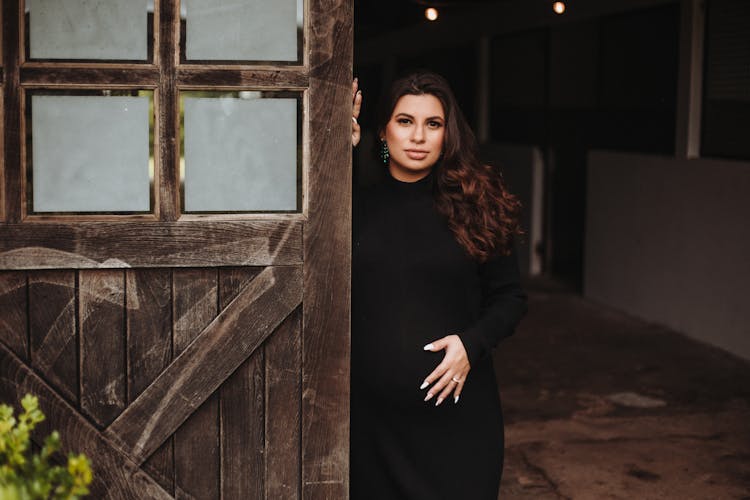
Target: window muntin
(168, 76)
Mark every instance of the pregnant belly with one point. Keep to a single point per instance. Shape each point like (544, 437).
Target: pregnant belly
(389, 362)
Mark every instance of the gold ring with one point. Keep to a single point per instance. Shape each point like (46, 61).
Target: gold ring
(456, 380)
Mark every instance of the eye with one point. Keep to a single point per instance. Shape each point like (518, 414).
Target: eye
(434, 124)
(403, 121)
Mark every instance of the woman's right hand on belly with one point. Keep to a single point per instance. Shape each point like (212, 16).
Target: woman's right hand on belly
(450, 375)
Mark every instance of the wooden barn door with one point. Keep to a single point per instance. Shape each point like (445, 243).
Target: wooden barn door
(175, 240)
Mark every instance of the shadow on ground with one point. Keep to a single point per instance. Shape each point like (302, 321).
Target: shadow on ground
(601, 405)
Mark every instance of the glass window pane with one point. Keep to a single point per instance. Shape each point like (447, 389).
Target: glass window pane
(241, 152)
(242, 30)
(90, 153)
(88, 29)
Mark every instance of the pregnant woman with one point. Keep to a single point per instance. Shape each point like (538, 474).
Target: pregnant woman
(435, 286)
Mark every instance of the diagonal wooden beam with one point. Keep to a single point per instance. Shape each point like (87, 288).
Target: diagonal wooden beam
(207, 362)
(113, 471)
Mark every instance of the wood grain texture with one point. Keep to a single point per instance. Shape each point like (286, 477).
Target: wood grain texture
(208, 361)
(270, 79)
(2, 148)
(167, 121)
(148, 300)
(283, 397)
(101, 313)
(242, 407)
(149, 326)
(115, 476)
(11, 112)
(52, 75)
(327, 248)
(158, 244)
(52, 330)
(13, 316)
(196, 442)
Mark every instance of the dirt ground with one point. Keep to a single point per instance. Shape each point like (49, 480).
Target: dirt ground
(601, 405)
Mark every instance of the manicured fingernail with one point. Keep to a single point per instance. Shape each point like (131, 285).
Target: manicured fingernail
(440, 400)
(424, 384)
(428, 397)
(428, 347)
(455, 400)
(359, 92)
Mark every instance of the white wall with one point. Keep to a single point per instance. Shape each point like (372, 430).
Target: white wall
(668, 240)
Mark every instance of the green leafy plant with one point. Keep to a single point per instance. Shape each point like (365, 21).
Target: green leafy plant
(30, 476)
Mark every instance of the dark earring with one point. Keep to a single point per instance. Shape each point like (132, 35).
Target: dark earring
(385, 155)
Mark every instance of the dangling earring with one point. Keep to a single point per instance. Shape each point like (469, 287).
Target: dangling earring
(385, 155)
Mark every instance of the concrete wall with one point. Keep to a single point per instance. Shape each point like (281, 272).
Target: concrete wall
(668, 240)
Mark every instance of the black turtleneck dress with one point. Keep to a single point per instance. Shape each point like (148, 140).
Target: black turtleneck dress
(412, 284)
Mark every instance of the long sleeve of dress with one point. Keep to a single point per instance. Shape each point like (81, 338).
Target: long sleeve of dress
(503, 306)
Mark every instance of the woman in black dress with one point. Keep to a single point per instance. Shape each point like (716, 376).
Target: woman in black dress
(435, 286)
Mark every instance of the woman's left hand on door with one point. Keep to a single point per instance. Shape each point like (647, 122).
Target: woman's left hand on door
(356, 106)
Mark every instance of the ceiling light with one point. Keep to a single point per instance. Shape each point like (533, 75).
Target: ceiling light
(558, 7)
(431, 13)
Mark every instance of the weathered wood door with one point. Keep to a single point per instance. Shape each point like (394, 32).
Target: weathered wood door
(192, 345)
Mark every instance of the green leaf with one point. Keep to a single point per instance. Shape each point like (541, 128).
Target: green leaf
(27, 476)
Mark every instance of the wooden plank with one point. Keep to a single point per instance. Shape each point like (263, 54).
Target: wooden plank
(101, 312)
(11, 112)
(148, 300)
(242, 408)
(196, 442)
(115, 476)
(52, 75)
(2, 147)
(276, 78)
(327, 247)
(167, 114)
(157, 244)
(283, 419)
(52, 330)
(208, 361)
(13, 312)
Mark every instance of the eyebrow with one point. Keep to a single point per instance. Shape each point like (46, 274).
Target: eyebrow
(428, 118)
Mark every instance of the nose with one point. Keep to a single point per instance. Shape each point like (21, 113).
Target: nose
(418, 135)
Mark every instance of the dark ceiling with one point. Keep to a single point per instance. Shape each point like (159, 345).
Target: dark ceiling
(375, 17)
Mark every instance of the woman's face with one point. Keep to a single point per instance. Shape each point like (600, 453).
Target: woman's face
(415, 136)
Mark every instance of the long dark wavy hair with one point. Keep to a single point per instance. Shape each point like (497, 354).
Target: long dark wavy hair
(481, 213)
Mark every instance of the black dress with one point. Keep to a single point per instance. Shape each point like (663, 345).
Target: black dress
(411, 284)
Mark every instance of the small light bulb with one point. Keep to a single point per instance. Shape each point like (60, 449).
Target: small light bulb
(431, 13)
(558, 7)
